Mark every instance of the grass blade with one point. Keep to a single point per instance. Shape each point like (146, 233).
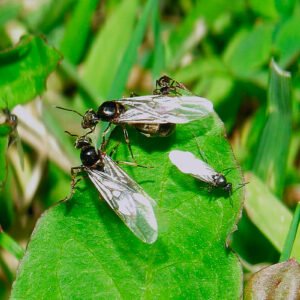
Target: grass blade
(289, 242)
(107, 51)
(130, 54)
(271, 157)
(269, 215)
(159, 51)
(10, 245)
(72, 44)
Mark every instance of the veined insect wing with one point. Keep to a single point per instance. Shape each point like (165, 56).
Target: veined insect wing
(187, 163)
(128, 200)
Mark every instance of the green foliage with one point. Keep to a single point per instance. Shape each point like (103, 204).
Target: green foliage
(72, 45)
(10, 245)
(220, 50)
(271, 157)
(130, 55)
(100, 70)
(271, 217)
(82, 241)
(24, 69)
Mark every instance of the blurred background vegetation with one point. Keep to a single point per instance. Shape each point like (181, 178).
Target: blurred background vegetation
(232, 53)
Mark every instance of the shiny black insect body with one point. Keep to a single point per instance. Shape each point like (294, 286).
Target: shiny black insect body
(152, 115)
(127, 199)
(220, 181)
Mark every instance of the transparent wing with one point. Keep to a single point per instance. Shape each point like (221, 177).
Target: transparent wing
(187, 163)
(127, 199)
(164, 109)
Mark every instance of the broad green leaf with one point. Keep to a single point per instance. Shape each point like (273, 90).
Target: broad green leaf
(81, 248)
(131, 53)
(108, 48)
(24, 69)
(249, 50)
(72, 44)
(286, 41)
(272, 153)
(270, 216)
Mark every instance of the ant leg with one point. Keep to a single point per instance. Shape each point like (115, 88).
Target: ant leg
(74, 181)
(71, 134)
(114, 149)
(91, 131)
(128, 141)
(133, 164)
(104, 141)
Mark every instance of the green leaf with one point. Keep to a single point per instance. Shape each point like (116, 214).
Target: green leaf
(265, 8)
(9, 244)
(48, 15)
(3, 166)
(8, 11)
(24, 69)
(270, 216)
(108, 48)
(286, 41)
(285, 7)
(249, 50)
(72, 44)
(81, 248)
(130, 55)
(272, 153)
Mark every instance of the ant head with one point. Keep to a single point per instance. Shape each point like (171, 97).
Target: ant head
(228, 188)
(89, 119)
(82, 142)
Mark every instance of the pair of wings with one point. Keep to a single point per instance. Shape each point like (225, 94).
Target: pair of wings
(127, 199)
(156, 109)
(187, 163)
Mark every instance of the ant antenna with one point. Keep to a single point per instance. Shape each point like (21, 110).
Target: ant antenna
(240, 185)
(71, 134)
(72, 110)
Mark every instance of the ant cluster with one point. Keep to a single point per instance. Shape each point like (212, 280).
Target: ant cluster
(153, 115)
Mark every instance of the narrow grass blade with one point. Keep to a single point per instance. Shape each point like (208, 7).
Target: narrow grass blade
(108, 48)
(159, 51)
(289, 242)
(271, 156)
(269, 215)
(130, 54)
(10, 245)
(186, 36)
(87, 89)
(72, 44)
